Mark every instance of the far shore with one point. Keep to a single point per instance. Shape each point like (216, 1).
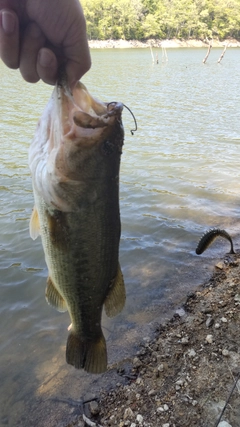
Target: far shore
(173, 43)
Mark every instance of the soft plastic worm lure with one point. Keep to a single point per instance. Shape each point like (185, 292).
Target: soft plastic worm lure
(209, 237)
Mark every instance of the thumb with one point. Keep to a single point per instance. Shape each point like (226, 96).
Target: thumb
(80, 64)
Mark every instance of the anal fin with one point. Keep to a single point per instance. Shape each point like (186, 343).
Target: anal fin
(53, 297)
(88, 355)
(34, 226)
(116, 296)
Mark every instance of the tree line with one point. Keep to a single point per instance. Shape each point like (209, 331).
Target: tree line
(162, 19)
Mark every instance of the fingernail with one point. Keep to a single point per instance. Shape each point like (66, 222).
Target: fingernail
(45, 58)
(8, 22)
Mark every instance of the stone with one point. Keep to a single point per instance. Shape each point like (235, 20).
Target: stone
(128, 413)
(237, 298)
(94, 407)
(181, 312)
(209, 339)
(224, 424)
(139, 418)
(192, 353)
(209, 322)
(152, 392)
(220, 265)
(137, 362)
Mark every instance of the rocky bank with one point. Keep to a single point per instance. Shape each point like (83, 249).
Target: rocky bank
(189, 374)
(173, 43)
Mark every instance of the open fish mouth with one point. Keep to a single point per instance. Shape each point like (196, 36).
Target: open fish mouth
(78, 109)
(75, 161)
(74, 127)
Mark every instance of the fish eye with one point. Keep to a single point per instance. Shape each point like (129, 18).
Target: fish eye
(108, 147)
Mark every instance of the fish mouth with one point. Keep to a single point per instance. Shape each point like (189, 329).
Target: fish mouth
(81, 113)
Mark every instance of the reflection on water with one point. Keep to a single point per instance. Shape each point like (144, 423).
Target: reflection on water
(179, 176)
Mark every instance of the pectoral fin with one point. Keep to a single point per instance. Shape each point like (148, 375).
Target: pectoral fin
(116, 297)
(53, 297)
(34, 226)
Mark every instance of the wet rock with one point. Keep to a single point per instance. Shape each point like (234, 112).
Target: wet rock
(181, 312)
(94, 407)
(224, 424)
(137, 362)
(220, 265)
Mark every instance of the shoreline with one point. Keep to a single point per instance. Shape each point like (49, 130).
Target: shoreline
(188, 374)
(157, 43)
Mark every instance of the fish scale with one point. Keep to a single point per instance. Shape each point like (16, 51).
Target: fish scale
(77, 215)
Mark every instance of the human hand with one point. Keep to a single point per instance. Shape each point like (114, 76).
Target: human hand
(37, 36)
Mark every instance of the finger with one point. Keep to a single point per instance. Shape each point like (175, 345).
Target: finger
(75, 70)
(33, 40)
(9, 38)
(47, 66)
(76, 49)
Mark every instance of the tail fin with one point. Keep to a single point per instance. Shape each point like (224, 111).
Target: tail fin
(89, 355)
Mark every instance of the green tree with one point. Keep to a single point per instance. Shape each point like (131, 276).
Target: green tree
(136, 19)
(113, 19)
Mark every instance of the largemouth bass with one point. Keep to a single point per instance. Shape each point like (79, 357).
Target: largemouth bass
(74, 160)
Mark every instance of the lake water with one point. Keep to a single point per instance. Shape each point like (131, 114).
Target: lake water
(179, 177)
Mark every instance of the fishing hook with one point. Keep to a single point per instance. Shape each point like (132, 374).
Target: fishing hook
(135, 121)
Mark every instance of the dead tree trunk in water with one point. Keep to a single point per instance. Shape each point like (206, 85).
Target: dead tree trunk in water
(222, 54)
(151, 53)
(209, 49)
